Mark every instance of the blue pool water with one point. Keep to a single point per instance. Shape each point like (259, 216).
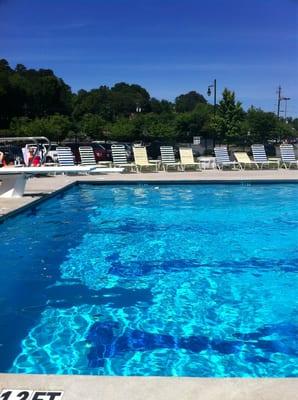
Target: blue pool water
(177, 280)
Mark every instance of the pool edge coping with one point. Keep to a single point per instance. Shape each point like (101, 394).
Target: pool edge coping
(41, 197)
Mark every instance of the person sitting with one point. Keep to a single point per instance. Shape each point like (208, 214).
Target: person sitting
(33, 159)
(1, 159)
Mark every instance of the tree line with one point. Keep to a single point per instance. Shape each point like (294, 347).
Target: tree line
(38, 103)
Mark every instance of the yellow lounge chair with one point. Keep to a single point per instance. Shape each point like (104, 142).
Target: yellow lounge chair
(187, 160)
(244, 160)
(141, 159)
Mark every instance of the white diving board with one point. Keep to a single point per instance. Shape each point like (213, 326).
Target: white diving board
(13, 179)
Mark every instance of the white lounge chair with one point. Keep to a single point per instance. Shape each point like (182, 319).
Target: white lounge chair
(120, 157)
(260, 156)
(288, 157)
(65, 156)
(87, 155)
(222, 159)
(168, 158)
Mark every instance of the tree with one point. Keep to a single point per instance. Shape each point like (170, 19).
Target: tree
(161, 106)
(31, 93)
(92, 126)
(261, 125)
(55, 127)
(156, 127)
(228, 119)
(195, 123)
(126, 98)
(96, 101)
(187, 102)
(295, 124)
(123, 130)
(37, 102)
(9, 96)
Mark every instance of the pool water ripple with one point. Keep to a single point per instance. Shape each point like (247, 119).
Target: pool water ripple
(175, 280)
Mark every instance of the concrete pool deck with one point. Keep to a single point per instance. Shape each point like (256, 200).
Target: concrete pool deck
(154, 388)
(138, 388)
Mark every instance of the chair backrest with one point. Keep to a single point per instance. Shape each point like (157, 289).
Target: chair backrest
(140, 155)
(119, 154)
(186, 155)
(65, 156)
(259, 153)
(221, 154)
(167, 155)
(242, 157)
(87, 155)
(287, 152)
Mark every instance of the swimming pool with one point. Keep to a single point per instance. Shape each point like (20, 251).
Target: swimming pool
(170, 280)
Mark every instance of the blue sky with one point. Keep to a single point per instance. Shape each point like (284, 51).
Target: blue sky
(168, 46)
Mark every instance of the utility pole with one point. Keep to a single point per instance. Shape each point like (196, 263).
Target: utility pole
(278, 100)
(215, 92)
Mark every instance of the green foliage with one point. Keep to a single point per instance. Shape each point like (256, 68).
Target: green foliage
(159, 107)
(36, 102)
(294, 124)
(187, 102)
(228, 118)
(31, 93)
(158, 127)
(55, 127)
(195, 123)
(285, 130)
(96, 101)
(121, 130)
(127, 98)
(261, 125)
(92, 126)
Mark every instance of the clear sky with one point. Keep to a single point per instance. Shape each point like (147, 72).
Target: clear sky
(168, 46)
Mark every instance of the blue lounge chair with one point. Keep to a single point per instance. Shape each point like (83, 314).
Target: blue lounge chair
(260, 156)
(222, 159)
(288, 157)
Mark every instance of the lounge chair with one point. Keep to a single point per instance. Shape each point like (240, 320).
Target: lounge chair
(65, 157)
(222, 159)
(244, 160)
(187, 160)
(87, 155)
(141, 159)
(168, 158)
(288, 157)
(260, 156)
(120, 158)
